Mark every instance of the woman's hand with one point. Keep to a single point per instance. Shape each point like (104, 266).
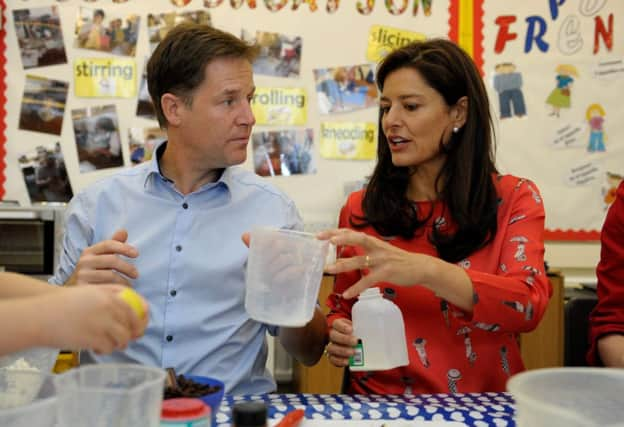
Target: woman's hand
(384, 262)
(387, 263)
(341, 343)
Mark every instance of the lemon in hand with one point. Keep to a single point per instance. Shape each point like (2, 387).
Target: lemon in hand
(134, 300)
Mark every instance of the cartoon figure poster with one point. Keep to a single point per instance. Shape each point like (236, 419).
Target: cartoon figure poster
(554, 72)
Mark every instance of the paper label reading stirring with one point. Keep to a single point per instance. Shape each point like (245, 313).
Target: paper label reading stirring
(358, 358)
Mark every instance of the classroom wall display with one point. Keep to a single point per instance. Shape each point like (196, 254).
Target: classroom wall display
(97, 29)
(142, 142)
(96, 134)
(348, 140)
(145, 107)
(159, 24)
(280, 54)
(45, 175)
(43, 105)
(40, 36)
(105, 77)
(284, 152)
(553, 70)
(345, 88)
(381, 39)
(280, 106)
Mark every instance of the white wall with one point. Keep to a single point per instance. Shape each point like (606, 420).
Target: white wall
(577, 260)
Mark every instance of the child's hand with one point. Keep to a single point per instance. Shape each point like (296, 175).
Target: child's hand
(90, 317)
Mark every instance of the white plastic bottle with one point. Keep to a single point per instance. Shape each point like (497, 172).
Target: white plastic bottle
(378, 325)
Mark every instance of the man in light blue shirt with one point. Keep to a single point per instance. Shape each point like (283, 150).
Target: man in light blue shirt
(171, 228)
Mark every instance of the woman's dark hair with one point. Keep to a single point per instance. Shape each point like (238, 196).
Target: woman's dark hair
(466, 178)
(178, 62)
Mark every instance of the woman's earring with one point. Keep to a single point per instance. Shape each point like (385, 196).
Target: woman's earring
(455, 129)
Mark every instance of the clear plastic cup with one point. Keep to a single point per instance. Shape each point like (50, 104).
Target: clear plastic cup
(40, 358)
(22, 374)
(18, 387)
(569, 397)
(27, 399)
(103, 395)
(284, 272)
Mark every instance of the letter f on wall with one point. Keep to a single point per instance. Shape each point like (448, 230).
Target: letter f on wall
(504, 35)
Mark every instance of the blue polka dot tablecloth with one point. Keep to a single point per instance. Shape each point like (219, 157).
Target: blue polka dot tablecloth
(474, 409)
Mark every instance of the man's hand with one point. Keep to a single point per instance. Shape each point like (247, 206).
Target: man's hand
(101, 263)
(341, 342)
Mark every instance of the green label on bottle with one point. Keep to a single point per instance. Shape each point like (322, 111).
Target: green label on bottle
(358, 358)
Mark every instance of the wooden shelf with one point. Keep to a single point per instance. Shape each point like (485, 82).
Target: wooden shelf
(543, 347)
(322, 377)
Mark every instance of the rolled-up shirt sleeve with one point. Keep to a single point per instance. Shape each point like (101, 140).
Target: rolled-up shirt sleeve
(77, 236)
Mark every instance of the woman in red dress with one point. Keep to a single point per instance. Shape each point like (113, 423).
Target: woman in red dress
(457, 246)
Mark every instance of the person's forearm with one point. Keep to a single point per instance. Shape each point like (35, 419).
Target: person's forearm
(306, 344)
(16, 286)
(22, 324)
(451, 283)
(611, 349)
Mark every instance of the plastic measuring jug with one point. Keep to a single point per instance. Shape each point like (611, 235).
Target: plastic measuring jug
(284, 272)
(107, 395)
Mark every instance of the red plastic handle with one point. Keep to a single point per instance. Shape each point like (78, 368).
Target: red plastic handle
(292, 418)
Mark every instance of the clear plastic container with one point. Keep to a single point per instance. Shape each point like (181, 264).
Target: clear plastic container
(19, 387)
(103, 395)
(41, 358)
(569, 397)
(378, 325)
(284, 272)
(39, 404)
(21, 375)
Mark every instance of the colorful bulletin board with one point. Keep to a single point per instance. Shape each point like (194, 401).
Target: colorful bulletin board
(73, 96)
